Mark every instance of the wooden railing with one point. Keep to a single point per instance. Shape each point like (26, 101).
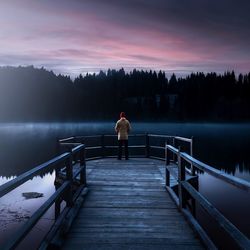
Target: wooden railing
(146, 145)
(187, 190)
(63, 191)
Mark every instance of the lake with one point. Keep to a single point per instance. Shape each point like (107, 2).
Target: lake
(25, 145)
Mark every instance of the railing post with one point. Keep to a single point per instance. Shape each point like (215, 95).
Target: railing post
(195, 184)
(103, 146)
(147, 154)
(192, 154)
(181, 177)
(167, 175)
(57, 208)
(69, 176)
(174, 142)
(167, 158)
(83, 165)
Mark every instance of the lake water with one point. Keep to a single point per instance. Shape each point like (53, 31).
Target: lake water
(23, 146)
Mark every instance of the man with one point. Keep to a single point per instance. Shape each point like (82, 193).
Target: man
(122, 128)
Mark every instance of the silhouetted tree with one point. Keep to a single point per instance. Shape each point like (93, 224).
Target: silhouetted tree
(31, 94)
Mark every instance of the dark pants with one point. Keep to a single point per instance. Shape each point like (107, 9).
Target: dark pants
(120, 143)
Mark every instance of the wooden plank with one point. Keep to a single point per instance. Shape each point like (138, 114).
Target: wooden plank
(131, 213)
(142, 246)
(136, 234)
(131, 222)
(127, 194)
(134, 240)
(137, 178)
(143, 184)
(128, 208)
(125, 188)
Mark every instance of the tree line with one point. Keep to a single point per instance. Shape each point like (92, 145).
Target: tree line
(32, 94)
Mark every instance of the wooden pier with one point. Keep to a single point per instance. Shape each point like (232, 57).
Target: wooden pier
(146, 202)
(128, 208)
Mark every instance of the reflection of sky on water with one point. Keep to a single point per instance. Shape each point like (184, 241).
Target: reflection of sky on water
(231, 201)
(15, 209)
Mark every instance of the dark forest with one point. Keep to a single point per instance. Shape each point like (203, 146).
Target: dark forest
(31, 94)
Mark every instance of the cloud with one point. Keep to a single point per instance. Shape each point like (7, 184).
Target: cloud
(76, 35)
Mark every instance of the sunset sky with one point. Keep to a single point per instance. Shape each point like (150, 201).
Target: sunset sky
(79, 36)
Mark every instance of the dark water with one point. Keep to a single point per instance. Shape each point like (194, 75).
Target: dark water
(23, 146)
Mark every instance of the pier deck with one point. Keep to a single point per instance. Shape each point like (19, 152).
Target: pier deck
(128, 207)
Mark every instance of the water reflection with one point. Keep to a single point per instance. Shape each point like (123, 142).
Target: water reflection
(16, 209)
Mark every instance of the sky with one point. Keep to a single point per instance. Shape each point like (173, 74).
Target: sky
(80, 36)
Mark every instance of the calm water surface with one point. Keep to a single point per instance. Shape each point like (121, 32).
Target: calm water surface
(23, 146)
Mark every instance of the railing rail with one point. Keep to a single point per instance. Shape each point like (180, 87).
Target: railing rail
(65, 189)
(184, 187)
(45, 167)
(238, 182)
(101, 144)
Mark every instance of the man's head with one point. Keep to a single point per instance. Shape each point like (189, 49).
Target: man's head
(122, 115)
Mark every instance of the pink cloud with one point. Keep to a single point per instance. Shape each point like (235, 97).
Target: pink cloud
(78, 37)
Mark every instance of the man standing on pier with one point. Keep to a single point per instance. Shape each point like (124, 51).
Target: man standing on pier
(122, 128)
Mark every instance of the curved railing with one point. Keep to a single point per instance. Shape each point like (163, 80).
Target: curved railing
(140, 145)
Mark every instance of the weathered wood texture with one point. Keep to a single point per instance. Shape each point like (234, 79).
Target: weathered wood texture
(128, 208)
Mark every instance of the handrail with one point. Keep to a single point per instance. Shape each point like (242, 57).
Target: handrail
(157, 147)
(105, 135)
(184, 186)
(182, 139)
(70, 143)
(67, 139)
(163, 136)
(78, 148)
(148, 145)
(94, 147)
(240, 183)
(172, 149)
(130, 135)
(19, 180)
